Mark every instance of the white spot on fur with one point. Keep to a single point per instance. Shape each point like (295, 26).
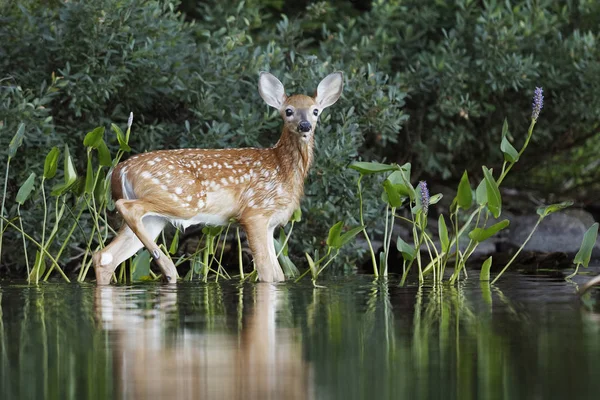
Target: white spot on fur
(171, 167)
(163, 187)
(189, 198)
(224, 181)
(156, 181)
(201, 203)
(106, 259)
(178, 190)
(146, 175)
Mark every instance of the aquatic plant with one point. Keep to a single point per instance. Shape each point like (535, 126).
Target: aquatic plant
(482, 204)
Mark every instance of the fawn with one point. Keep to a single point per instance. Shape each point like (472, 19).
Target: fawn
(260, 188)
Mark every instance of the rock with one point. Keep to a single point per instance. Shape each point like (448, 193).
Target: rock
(559, 232)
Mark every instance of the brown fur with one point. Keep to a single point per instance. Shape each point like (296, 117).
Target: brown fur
(260, 188)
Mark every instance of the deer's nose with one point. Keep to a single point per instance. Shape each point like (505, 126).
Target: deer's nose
(304, 126)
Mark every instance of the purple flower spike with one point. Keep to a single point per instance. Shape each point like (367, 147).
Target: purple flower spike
(424, 196)
(538, 103)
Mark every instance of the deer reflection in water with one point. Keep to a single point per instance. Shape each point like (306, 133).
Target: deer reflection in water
(150, 361)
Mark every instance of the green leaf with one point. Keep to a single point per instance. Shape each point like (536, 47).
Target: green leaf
(334, 234)
(212, 230)
(481, 193)
(435, 198)
(443, 233)
(174, 243)
(92, 139)
(282, 236)
(312, 266)
(552, 208)
(406, 171)
(367, 168)
(121, 138)
(505, 128)
(408, 252)
(51, 163)
(89, 176)
(349, 235)
(392, 196)
(481, 234)
(510, 153)
(140, 266)
(464, 197)
(401, 183)
(297, 215)
(494, 202)
(39, 267)
(485, 270)
(25, 189)
(16, 141)
(587, 245)
(70, 174)
(104, 155)
(101, 189)
(289, 268)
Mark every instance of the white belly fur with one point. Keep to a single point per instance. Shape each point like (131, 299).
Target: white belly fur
(219, 207)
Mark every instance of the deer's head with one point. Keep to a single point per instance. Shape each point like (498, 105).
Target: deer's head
(299, 112)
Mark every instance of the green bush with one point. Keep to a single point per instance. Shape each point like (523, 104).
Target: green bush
(426, 82)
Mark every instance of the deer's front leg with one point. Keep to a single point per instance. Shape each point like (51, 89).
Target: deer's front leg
(260, 239)
(133, 211)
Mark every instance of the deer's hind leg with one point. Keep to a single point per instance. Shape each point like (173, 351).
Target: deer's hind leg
(122, 247)
(133, 211)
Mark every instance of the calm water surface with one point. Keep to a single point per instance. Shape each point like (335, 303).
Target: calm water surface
(529, 337)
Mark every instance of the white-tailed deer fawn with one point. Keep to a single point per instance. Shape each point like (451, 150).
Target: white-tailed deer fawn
(260, 188)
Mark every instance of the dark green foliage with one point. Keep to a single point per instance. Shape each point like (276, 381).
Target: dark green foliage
(455, 69)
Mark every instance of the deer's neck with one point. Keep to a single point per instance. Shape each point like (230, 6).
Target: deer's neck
(294, 154)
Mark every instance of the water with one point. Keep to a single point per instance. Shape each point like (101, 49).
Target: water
(530, 337)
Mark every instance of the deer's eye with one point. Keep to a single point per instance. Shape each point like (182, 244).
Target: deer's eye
(316, 112)
(289, 112)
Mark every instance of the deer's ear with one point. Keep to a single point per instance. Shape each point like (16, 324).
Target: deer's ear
(330, 89)
(271, 90)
